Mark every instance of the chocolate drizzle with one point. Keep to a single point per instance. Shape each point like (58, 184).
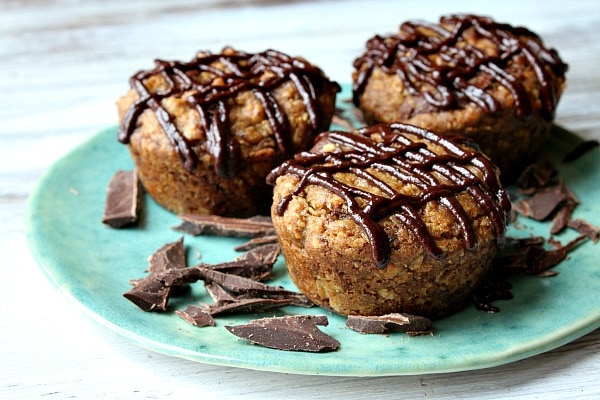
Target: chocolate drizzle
(400, 151)
(230, 73)
(439, 63)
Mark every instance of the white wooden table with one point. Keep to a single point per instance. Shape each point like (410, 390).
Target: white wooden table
(62, 66)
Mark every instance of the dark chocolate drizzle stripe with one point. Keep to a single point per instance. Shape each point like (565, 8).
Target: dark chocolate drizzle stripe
(243, 74)
(408, 161)
(408, 53)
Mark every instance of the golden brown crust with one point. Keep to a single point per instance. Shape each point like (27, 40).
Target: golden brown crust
(511, 132)
(254, 148)
(328, 254)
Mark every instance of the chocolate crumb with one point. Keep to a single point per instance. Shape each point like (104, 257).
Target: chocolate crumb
(389, 323)
(197, 316)
(580, 150)
(290, 333)
(223, 226)
(122, 199)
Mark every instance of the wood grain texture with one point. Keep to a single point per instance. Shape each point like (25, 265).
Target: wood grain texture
(62, 66)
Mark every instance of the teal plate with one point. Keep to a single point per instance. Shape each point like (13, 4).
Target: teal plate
(92, 265)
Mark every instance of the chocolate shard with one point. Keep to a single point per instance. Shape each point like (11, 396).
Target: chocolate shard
(247, 305)
(256, 264)
(152, 292)
(585, 228)
(257, 242)
(545, 201)
(563, 216)
(389, 323)
(218, 294)
(290, 333)
(240, 285)
(169, 256)
(530, 256)
(224, 226)
(580, 150)
(149, 295)
(123, 199)
(536, 176)
(197, 316)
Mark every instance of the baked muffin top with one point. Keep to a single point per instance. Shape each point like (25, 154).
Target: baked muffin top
(396, 170)
(463, 60)
(228, 105)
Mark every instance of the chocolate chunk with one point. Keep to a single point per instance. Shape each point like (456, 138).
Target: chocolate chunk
(563, 216)
(255, 264)
(580, 150)
(247, 305)
(217, 293)
(169, 256)
(291, 333)
(545, 201)
(241, 285)
(122, 199)
(257, 242)
(223, 226)
(532, 258)
(152, 292)
(585, 228)
(149, 295)
(389, 323)
(197, 316)
(536, 176)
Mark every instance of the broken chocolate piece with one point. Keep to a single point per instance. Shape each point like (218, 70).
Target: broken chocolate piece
(544, 201)
(247, 305)
(530, 256)
(197, 316)
(536, 176)
(169, 256)
(257, 242)
(241, 285)
(122, 199)
(585, 228)
(256, 264)
(217, 293)
(152, 292)
(580, 150)
(149, 295)
(563, 216)
(291, 333)
(389, 323)
(224, 226)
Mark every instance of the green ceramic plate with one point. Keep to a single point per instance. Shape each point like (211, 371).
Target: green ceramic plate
(92, 264)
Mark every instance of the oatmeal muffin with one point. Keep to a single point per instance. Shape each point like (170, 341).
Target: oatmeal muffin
(389, 218)
(204, 134)
(496, 83)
